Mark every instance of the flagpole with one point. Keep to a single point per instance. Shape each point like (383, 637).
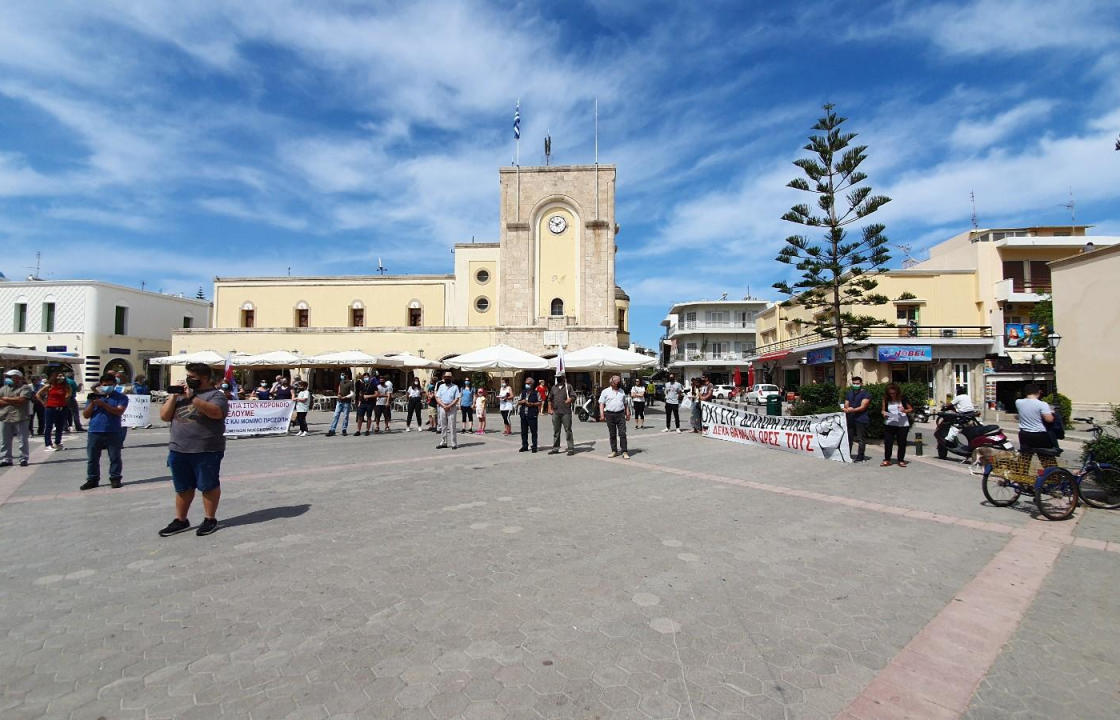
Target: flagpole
(517, 153)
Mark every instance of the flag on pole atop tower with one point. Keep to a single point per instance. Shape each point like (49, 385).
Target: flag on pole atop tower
(517, 121)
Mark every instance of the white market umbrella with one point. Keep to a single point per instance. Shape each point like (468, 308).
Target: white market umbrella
(276, 358)
(497, 357)
(344, 358)
(605, 357)
(206, 357)
(413, 362)
(14, 354)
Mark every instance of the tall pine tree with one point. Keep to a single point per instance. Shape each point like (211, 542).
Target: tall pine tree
(835, 268)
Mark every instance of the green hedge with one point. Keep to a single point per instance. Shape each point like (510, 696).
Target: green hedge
(1105, 450)
(826, 398)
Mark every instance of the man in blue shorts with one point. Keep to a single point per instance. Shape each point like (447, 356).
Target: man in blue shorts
(198, 423)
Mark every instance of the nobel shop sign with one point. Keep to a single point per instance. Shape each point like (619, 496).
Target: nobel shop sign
(905, 353)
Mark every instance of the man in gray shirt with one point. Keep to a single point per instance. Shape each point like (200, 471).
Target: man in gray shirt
(15, 409)
(560, 397)
(673, 392)
(197, 414)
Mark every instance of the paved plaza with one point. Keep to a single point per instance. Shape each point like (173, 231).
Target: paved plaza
(381, 578)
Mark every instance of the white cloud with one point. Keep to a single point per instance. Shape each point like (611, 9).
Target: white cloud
(971, 134)
(99, 216)
(242, 210)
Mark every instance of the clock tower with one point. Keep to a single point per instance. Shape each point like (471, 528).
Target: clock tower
(557, 248)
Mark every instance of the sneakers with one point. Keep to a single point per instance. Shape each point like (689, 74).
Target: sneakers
(613, 454)
(23, 463)
(456, 447)
(301, 433)
(59, 447)
(330, 433)
(5, 463)
(343, 433)
(571, 452)
(89, 484)
(679, 430)
(408, 429)
(115, 482)
(174, 527)
(625, 456)
(207, 526)
(49, 448)
(441, 446)
(554, 451)
(665, 430)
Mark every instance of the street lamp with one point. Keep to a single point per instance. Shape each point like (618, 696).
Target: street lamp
(1053, 339)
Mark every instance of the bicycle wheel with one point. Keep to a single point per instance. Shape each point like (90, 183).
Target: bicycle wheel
(1100, 488)
(998, 491)
(1056, 494)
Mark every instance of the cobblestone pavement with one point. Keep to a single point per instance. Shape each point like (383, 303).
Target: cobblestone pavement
(380, 578)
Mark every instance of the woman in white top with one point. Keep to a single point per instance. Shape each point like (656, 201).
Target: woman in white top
(638, 400)
(480, 411)
(896, 424)
(415, 400)
(505, 405)
(303, 405)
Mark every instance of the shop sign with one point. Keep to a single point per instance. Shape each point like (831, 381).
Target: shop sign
(905, 353)
(819, 357)
(1024, 335)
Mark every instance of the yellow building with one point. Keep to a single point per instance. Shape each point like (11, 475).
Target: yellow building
(962, 317)
(548, 281)
(1087, 316)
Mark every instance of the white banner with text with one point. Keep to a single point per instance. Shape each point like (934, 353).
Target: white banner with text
(138, 413)
(821, 436)
(259, 417)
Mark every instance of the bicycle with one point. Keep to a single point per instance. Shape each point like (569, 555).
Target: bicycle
(1098, 483)
(1009, 475)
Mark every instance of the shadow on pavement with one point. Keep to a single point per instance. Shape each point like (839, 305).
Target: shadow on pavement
(146, 481)
(259, 516)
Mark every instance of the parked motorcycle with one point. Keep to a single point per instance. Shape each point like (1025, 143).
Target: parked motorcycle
(962, 433)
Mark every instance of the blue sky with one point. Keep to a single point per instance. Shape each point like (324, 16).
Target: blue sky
(166, 143)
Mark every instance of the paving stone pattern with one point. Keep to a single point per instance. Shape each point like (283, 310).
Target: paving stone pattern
(380, 578)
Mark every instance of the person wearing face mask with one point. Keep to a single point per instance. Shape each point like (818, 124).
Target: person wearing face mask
(15, 409)
(104, 409)
(55, 395)
(365, 392)
(342, 409)
(303, 406)
(856, 402)
(466, 405)
(284, 392)
(505, 405)
(415, 400)
(616, 413)
(447, 397)
(198, 444)
(529, 407)
(227, 391)
(383, 404)
(262, 392)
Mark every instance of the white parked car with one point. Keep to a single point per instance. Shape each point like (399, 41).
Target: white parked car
(722, 392)
(758, 393)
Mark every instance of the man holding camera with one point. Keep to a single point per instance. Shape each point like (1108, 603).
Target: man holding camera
(197, 414)
(104, 408)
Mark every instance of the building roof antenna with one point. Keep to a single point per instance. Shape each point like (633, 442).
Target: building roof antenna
(38, 259)
(381, 269)
(907, 261)
(1070, 205)
(972, 201)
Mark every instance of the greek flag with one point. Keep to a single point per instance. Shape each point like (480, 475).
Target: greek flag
(517, 121)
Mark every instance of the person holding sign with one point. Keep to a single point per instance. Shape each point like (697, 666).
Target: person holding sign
(197, 414)
(104, 407)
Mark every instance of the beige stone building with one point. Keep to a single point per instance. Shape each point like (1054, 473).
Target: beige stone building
(1087, 316)
(548, 281)
(962, 317)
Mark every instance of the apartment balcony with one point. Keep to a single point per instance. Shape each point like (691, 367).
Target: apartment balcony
(1021, 291)
(906, 334)
(708, 358)
(703, 326)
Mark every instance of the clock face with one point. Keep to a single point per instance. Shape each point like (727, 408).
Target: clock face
(557, 224)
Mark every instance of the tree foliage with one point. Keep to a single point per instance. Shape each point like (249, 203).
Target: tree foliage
(836, 268)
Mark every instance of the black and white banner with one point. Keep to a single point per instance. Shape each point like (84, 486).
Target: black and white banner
(821, 436)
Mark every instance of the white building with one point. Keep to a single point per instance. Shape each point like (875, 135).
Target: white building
(111, 327)
(710, 337)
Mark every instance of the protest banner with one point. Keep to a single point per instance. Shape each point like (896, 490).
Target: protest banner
(821, 436)
(258, 417)
(138, 412)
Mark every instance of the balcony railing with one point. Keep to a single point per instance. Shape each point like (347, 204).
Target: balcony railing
(1008, 286)
(697, 356)
(716, 325)
(886, 333)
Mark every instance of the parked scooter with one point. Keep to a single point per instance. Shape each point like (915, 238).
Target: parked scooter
(587, 409)
(962, 434)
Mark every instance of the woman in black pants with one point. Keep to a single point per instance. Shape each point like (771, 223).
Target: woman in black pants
(415, 402)
(896, 424)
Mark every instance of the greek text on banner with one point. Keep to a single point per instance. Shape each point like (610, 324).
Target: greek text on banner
(820, 436)
(138, 412)
(258, 417)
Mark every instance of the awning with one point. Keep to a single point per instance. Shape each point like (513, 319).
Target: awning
(774, 356)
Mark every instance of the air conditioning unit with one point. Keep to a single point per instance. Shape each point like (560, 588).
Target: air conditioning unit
(948, 332)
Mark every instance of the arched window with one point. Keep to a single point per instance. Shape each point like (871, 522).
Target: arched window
(357, 314)
(302, 314)
(557, 306)
(248, 315)
(415, 314)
